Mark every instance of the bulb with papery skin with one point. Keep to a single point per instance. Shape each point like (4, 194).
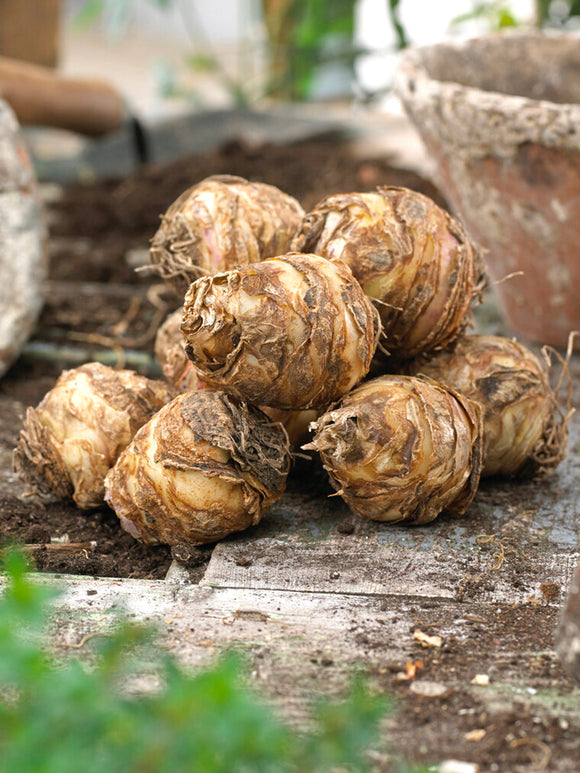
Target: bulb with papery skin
(177, 368)
(74, 436)
(399, 448)
(180, 371)
(203, 467)
(409, 255)
(292, 332)
(525, 428)
(221, 223)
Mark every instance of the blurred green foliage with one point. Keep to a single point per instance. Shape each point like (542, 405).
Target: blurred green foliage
(116, 13)
(306, 37)
(498, 14)
(75, 717)
(303, 37)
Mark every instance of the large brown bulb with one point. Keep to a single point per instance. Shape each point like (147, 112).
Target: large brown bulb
(525, 429)
(221, 223)
(180, 371)
(76, 433)
(205, 466)
(399, 448)
(409, 255)
(292, 332)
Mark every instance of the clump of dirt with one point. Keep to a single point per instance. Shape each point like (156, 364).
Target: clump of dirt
(115, 216)
(64, 540)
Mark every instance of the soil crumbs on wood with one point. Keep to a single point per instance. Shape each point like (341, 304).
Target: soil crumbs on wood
(525, 718)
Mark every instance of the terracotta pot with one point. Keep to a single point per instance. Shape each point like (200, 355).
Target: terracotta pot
(501, 117)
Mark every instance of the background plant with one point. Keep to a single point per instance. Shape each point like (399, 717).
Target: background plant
(497, 14)
(306, 36)
(303, 36)
(74, 717)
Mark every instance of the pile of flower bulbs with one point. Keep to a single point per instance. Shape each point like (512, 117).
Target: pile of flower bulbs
(341, 331)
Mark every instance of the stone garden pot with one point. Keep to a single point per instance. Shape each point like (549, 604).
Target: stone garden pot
(500, 115)
(23, 260)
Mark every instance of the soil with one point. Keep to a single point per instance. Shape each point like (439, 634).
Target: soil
(507, 733)
(98, 303)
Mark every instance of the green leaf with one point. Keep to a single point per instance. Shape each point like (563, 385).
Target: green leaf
(506, 19)
(90, 12)
(75, 717)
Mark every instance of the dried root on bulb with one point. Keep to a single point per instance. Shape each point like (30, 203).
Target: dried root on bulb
(74, 436)
(409, 255)
(204, 466)
(221, 223)
(399, 448)
(525, 428)
(292, 332)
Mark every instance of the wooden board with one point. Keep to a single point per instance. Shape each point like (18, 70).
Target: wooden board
(516, 541)
(29, 30)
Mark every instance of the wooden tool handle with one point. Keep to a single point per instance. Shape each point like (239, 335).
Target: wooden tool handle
(40, 97)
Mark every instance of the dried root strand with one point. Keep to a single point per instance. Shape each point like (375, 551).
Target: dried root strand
(553, 447)
(204, 466)
(399, 448)
(410, 256)
(293, 332)
(76, 433)
(221, 223)
(525, 427)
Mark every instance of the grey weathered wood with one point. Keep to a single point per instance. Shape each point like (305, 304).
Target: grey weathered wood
(568, 634)
(515, 543)
(23, 262)
(299, 645)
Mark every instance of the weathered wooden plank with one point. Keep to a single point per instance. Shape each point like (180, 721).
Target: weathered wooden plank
(195, 621)
(301, 646)
(517, 541)
(369, 568)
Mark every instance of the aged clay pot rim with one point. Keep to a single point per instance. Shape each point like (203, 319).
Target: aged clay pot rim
(553, 124)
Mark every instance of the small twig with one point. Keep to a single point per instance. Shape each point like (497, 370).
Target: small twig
(121, 327)
(104, 341)
(83, 641)
(64, 548)
(539, 751)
